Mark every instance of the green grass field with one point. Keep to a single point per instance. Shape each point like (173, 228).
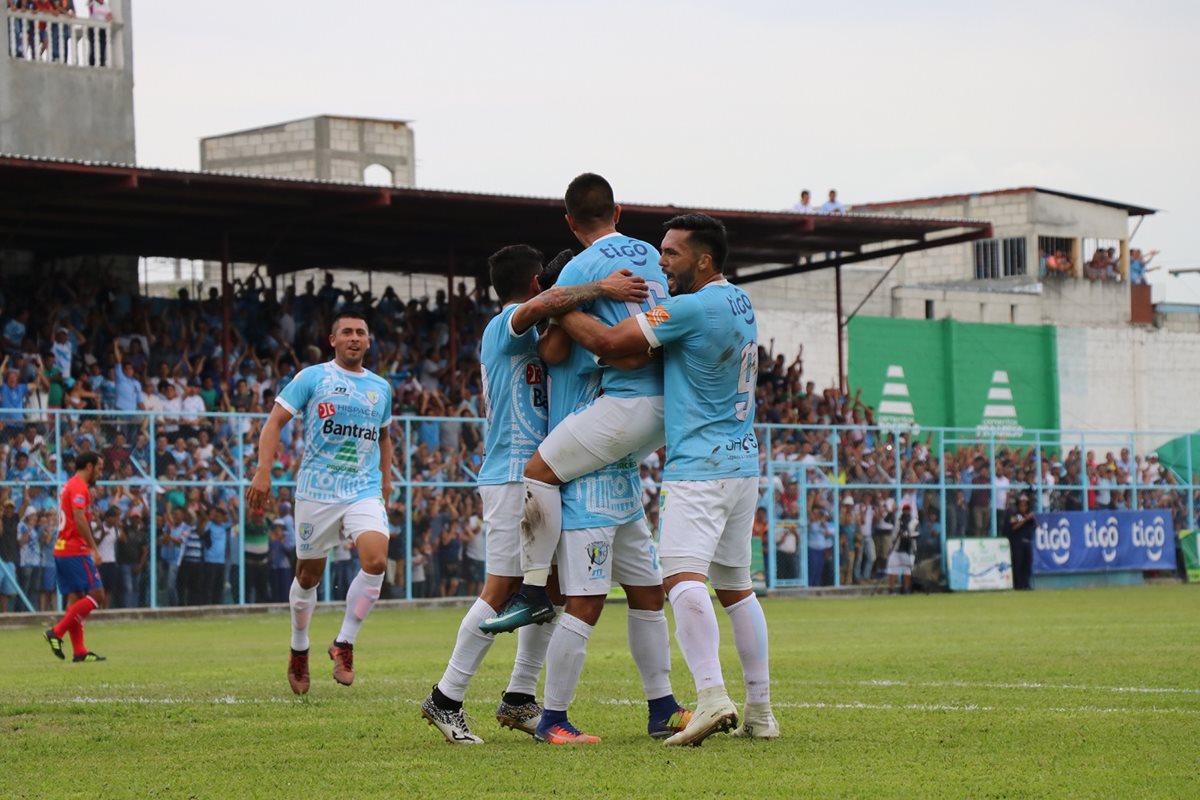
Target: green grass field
(1052, 694)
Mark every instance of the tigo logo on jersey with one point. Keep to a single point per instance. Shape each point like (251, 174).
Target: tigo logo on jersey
(657, 316)
(326, 410)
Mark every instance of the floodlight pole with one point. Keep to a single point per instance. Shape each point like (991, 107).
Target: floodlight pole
(226, 305)
(452, 319)
(837, 277)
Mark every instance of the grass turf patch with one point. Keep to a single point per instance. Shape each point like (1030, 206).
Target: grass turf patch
(1044, 694)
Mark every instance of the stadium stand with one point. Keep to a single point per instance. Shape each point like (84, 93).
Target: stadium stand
(83, 372)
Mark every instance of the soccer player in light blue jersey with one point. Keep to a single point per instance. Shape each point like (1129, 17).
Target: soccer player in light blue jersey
(341, 487)
(514, 389)
(626, 419)
(604, 538)
(708, 335)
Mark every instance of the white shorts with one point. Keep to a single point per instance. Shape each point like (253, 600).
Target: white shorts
(590, 560)
(603, 433)
(503, 508)
(706, 522)
(899, 563)
(320, 526)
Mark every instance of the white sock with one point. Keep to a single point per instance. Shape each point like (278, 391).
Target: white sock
(302, 602)
(469, 649)
(650, 645)
(750, 636)
(564, 661)
(697, 633)
(540, 530)
(532, 641)
(360, 599)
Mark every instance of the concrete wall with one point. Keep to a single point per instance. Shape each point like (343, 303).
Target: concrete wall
(1129, 378)
(815, 331)
(1054, 302)
(76, 112)
(326, 148)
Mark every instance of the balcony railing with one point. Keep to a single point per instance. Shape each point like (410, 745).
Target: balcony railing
(59, 39)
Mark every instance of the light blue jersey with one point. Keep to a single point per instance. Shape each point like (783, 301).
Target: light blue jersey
(605, 256)
(611, 495)
(342, 413)
(514, 387)
(711, 365)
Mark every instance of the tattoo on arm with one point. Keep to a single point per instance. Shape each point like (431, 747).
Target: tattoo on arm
(559, 299)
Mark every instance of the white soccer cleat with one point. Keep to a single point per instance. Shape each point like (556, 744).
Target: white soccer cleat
(714, 713)
(451, 724)
(758, 722)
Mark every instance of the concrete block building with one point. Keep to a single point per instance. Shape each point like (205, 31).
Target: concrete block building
(82, 69)
(333, 148)
(1121, 363)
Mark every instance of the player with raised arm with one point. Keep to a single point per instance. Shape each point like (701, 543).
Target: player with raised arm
(343, 483)
(710, 484)
(604, 538)
(76, 559)
(514, 390)
(626, 419)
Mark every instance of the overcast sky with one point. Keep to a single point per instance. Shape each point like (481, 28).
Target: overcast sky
(724, 104)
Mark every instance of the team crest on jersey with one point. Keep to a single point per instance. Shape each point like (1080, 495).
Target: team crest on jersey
(597, 553)
(306, 530)
(657, 316)
(326, 410)
(372, 397)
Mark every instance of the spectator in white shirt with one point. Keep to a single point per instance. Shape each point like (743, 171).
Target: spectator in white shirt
(805, 205)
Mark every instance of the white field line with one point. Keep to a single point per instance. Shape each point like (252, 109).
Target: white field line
(1032, 685)
(966, 708)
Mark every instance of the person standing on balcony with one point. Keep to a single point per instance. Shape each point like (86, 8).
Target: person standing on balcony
(833, 205)
(805, 205)
(101, 11)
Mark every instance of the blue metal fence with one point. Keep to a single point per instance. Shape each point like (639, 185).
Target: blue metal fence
(806, 468)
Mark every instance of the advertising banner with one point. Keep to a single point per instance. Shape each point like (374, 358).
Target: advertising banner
(1188, 543)
(996, 379)
(1101, 541)
(979, 564)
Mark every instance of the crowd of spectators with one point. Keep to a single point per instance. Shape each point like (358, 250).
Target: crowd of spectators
(55, 38)
(869, 459)
(104, 356)
(1104, 265)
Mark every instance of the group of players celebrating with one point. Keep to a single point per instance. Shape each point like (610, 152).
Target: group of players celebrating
(593, 363)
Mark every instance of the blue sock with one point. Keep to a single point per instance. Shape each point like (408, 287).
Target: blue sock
(662, 707)
(552, 718)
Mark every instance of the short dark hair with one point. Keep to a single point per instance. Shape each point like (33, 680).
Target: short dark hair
(589, 199)
(549, 274)
(349, 313)
(85, 460)
(512, 267)
(705, 231)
